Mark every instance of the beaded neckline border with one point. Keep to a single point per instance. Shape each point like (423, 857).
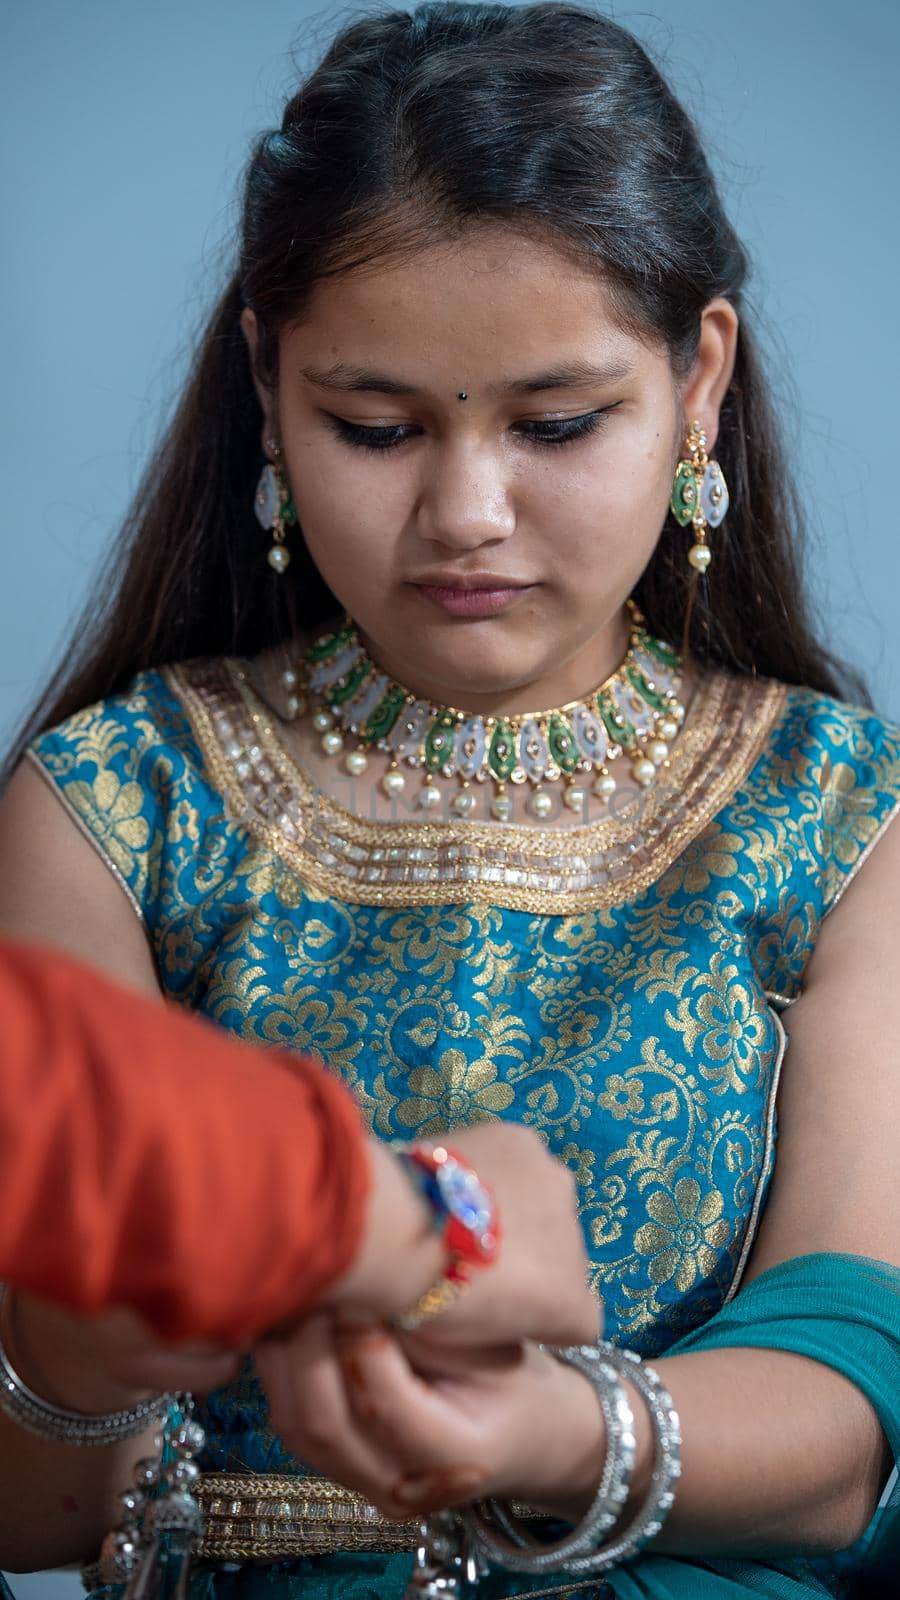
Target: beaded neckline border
(543, 871)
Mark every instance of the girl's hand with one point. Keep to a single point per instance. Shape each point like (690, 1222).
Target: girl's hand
(508, 1421)
(536, 1289)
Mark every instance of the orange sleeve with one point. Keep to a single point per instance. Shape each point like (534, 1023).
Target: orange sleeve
(149, 1159)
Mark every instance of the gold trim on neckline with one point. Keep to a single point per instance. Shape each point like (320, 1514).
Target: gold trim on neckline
(544, 871)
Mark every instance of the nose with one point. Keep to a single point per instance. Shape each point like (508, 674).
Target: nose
(466, 498)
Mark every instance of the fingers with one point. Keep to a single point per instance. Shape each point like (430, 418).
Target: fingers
(580, 1322)
(312, 1413)
(405, 1414)
(348, 1401)
(435, 1452)
(112, 1358)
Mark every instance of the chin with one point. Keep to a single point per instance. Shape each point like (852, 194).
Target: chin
(481, 667)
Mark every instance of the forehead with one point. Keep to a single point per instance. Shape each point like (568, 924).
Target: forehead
(490, 300)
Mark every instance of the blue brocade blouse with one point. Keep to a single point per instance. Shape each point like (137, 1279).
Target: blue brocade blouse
(616, 985)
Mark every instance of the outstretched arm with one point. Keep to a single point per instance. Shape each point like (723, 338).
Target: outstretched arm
(153, 1163)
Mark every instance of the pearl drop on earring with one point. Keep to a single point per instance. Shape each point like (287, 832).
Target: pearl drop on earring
(279, 558)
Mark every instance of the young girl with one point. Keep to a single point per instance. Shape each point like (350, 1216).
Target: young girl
(458, 715)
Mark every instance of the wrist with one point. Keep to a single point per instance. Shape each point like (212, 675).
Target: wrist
(400, 1253)
(564, 1475)
(45, 1361)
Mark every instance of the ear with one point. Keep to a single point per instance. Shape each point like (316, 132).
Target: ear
(265, 395)
(707, 383)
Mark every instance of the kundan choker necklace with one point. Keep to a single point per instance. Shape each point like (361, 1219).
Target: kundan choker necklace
(357, 709)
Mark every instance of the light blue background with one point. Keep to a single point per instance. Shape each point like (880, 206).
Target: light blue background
(123, 128)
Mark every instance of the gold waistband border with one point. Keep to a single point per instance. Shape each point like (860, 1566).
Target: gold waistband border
(269, 1516)
(265, 1517)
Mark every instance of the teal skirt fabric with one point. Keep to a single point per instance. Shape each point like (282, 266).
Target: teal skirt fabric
(841, 1310)
(376, 1577)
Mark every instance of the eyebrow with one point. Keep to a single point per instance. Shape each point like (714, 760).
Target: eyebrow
(364, 380)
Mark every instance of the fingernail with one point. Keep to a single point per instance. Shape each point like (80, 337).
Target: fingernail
(427, 1491)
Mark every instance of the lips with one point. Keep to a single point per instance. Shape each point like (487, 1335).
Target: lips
(474, 580)
(473, 597)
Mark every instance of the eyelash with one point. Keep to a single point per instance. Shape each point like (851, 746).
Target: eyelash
(565, 431)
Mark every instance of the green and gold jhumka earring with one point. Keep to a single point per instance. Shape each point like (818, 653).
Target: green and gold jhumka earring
(699, 495)
(357, 709)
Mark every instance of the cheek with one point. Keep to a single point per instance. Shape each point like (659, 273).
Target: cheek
(349, 510)
(616, 502)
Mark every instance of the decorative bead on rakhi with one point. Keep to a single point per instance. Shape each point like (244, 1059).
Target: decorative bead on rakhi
(633, 715)
(699, 495)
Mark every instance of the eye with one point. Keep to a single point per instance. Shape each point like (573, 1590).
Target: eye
(364, 438)
(555, 431)
(563, 430)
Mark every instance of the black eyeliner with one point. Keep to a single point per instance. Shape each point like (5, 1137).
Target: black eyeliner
(564, 430)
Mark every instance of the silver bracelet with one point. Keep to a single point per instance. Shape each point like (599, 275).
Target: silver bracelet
(642, 1527)
(518, 1550)
(648, 1521)
(54, 1422)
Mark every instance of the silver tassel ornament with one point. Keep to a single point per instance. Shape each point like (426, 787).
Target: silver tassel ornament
(446, 1568)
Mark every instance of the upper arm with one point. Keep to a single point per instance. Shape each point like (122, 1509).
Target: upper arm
(55, 887)
(837, 1176)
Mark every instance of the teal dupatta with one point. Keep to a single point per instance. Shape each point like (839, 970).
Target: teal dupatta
(844, 1311)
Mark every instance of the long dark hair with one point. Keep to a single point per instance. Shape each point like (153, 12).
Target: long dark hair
(413, 125)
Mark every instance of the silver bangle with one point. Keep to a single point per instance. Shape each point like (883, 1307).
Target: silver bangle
(54, 1422)
(648, 1521)
(518, 1550)
(577, 1552)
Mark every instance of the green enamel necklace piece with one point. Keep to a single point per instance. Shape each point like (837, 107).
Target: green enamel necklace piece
(357, 709)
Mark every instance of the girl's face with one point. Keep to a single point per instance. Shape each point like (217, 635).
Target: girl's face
(484, 545)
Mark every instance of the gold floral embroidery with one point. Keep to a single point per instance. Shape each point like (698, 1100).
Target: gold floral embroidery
(621, 1098)
(456, 1091)
(714, 856)
(180, 950)
(116, 809)
(721, 1017)
(182, 823)
(687, 1231)
(848, 809)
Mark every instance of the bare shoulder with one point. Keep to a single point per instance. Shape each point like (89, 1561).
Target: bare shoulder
(55, 888)
(837, 1177)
